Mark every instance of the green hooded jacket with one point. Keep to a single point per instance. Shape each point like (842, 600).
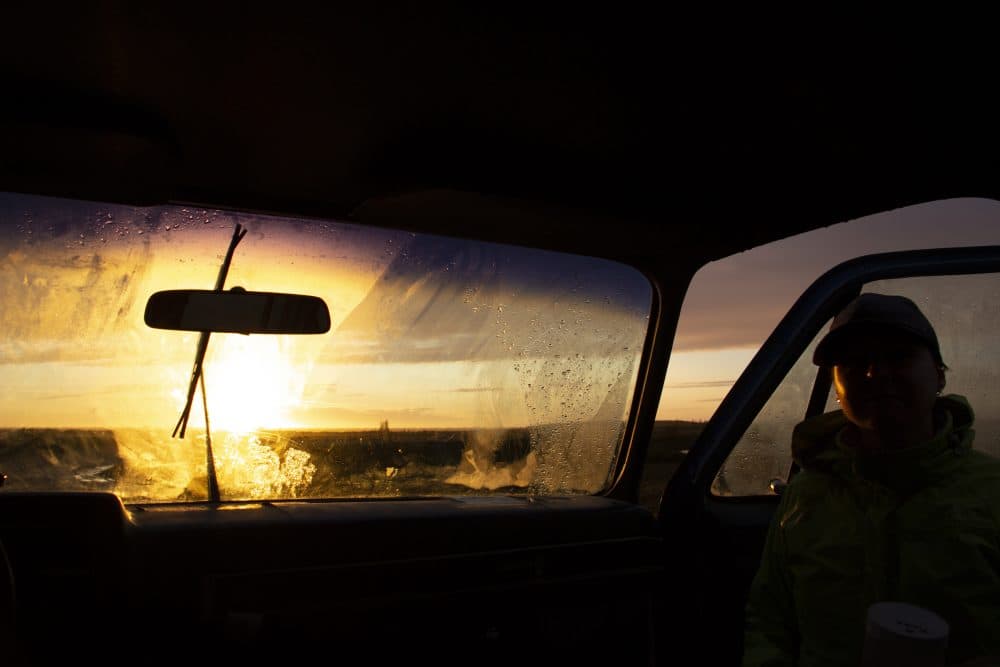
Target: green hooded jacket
(919, 525)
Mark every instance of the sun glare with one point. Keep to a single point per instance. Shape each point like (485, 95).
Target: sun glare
(251, 383)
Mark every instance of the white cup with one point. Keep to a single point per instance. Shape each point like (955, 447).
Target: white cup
(904, 635)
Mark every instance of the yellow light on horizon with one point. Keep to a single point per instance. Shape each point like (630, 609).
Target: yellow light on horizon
(697, 381)
(251, 383)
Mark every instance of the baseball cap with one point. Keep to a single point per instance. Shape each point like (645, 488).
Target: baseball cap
(876, 311)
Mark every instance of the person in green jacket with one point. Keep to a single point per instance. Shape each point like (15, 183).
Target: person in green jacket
(891, 504)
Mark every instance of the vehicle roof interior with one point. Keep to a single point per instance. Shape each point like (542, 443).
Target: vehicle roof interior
(656, 123)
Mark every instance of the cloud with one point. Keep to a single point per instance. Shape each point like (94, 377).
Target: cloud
(700, 385)
(111, 390)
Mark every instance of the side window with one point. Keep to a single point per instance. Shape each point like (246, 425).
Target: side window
(964, 311)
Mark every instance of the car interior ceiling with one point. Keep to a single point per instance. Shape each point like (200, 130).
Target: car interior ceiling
(320, 110)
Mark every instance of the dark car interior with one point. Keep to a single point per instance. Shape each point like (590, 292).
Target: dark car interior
(657, 141)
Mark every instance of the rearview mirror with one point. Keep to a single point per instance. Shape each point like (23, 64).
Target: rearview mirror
(237, 311)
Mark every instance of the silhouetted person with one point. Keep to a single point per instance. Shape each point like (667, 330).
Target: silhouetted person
(891, 504)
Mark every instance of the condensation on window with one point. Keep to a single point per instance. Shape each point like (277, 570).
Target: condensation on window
(451, 366)
(764, 452)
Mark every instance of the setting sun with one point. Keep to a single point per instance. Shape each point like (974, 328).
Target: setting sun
(251, 383)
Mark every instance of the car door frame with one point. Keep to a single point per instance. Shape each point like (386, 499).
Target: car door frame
(722, 537)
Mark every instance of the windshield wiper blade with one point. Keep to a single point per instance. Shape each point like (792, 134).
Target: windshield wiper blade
(197, 373)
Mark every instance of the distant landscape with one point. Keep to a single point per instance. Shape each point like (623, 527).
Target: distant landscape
(667, 448)
(142, 465)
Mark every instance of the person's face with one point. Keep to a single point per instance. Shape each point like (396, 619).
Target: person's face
(886, 380)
